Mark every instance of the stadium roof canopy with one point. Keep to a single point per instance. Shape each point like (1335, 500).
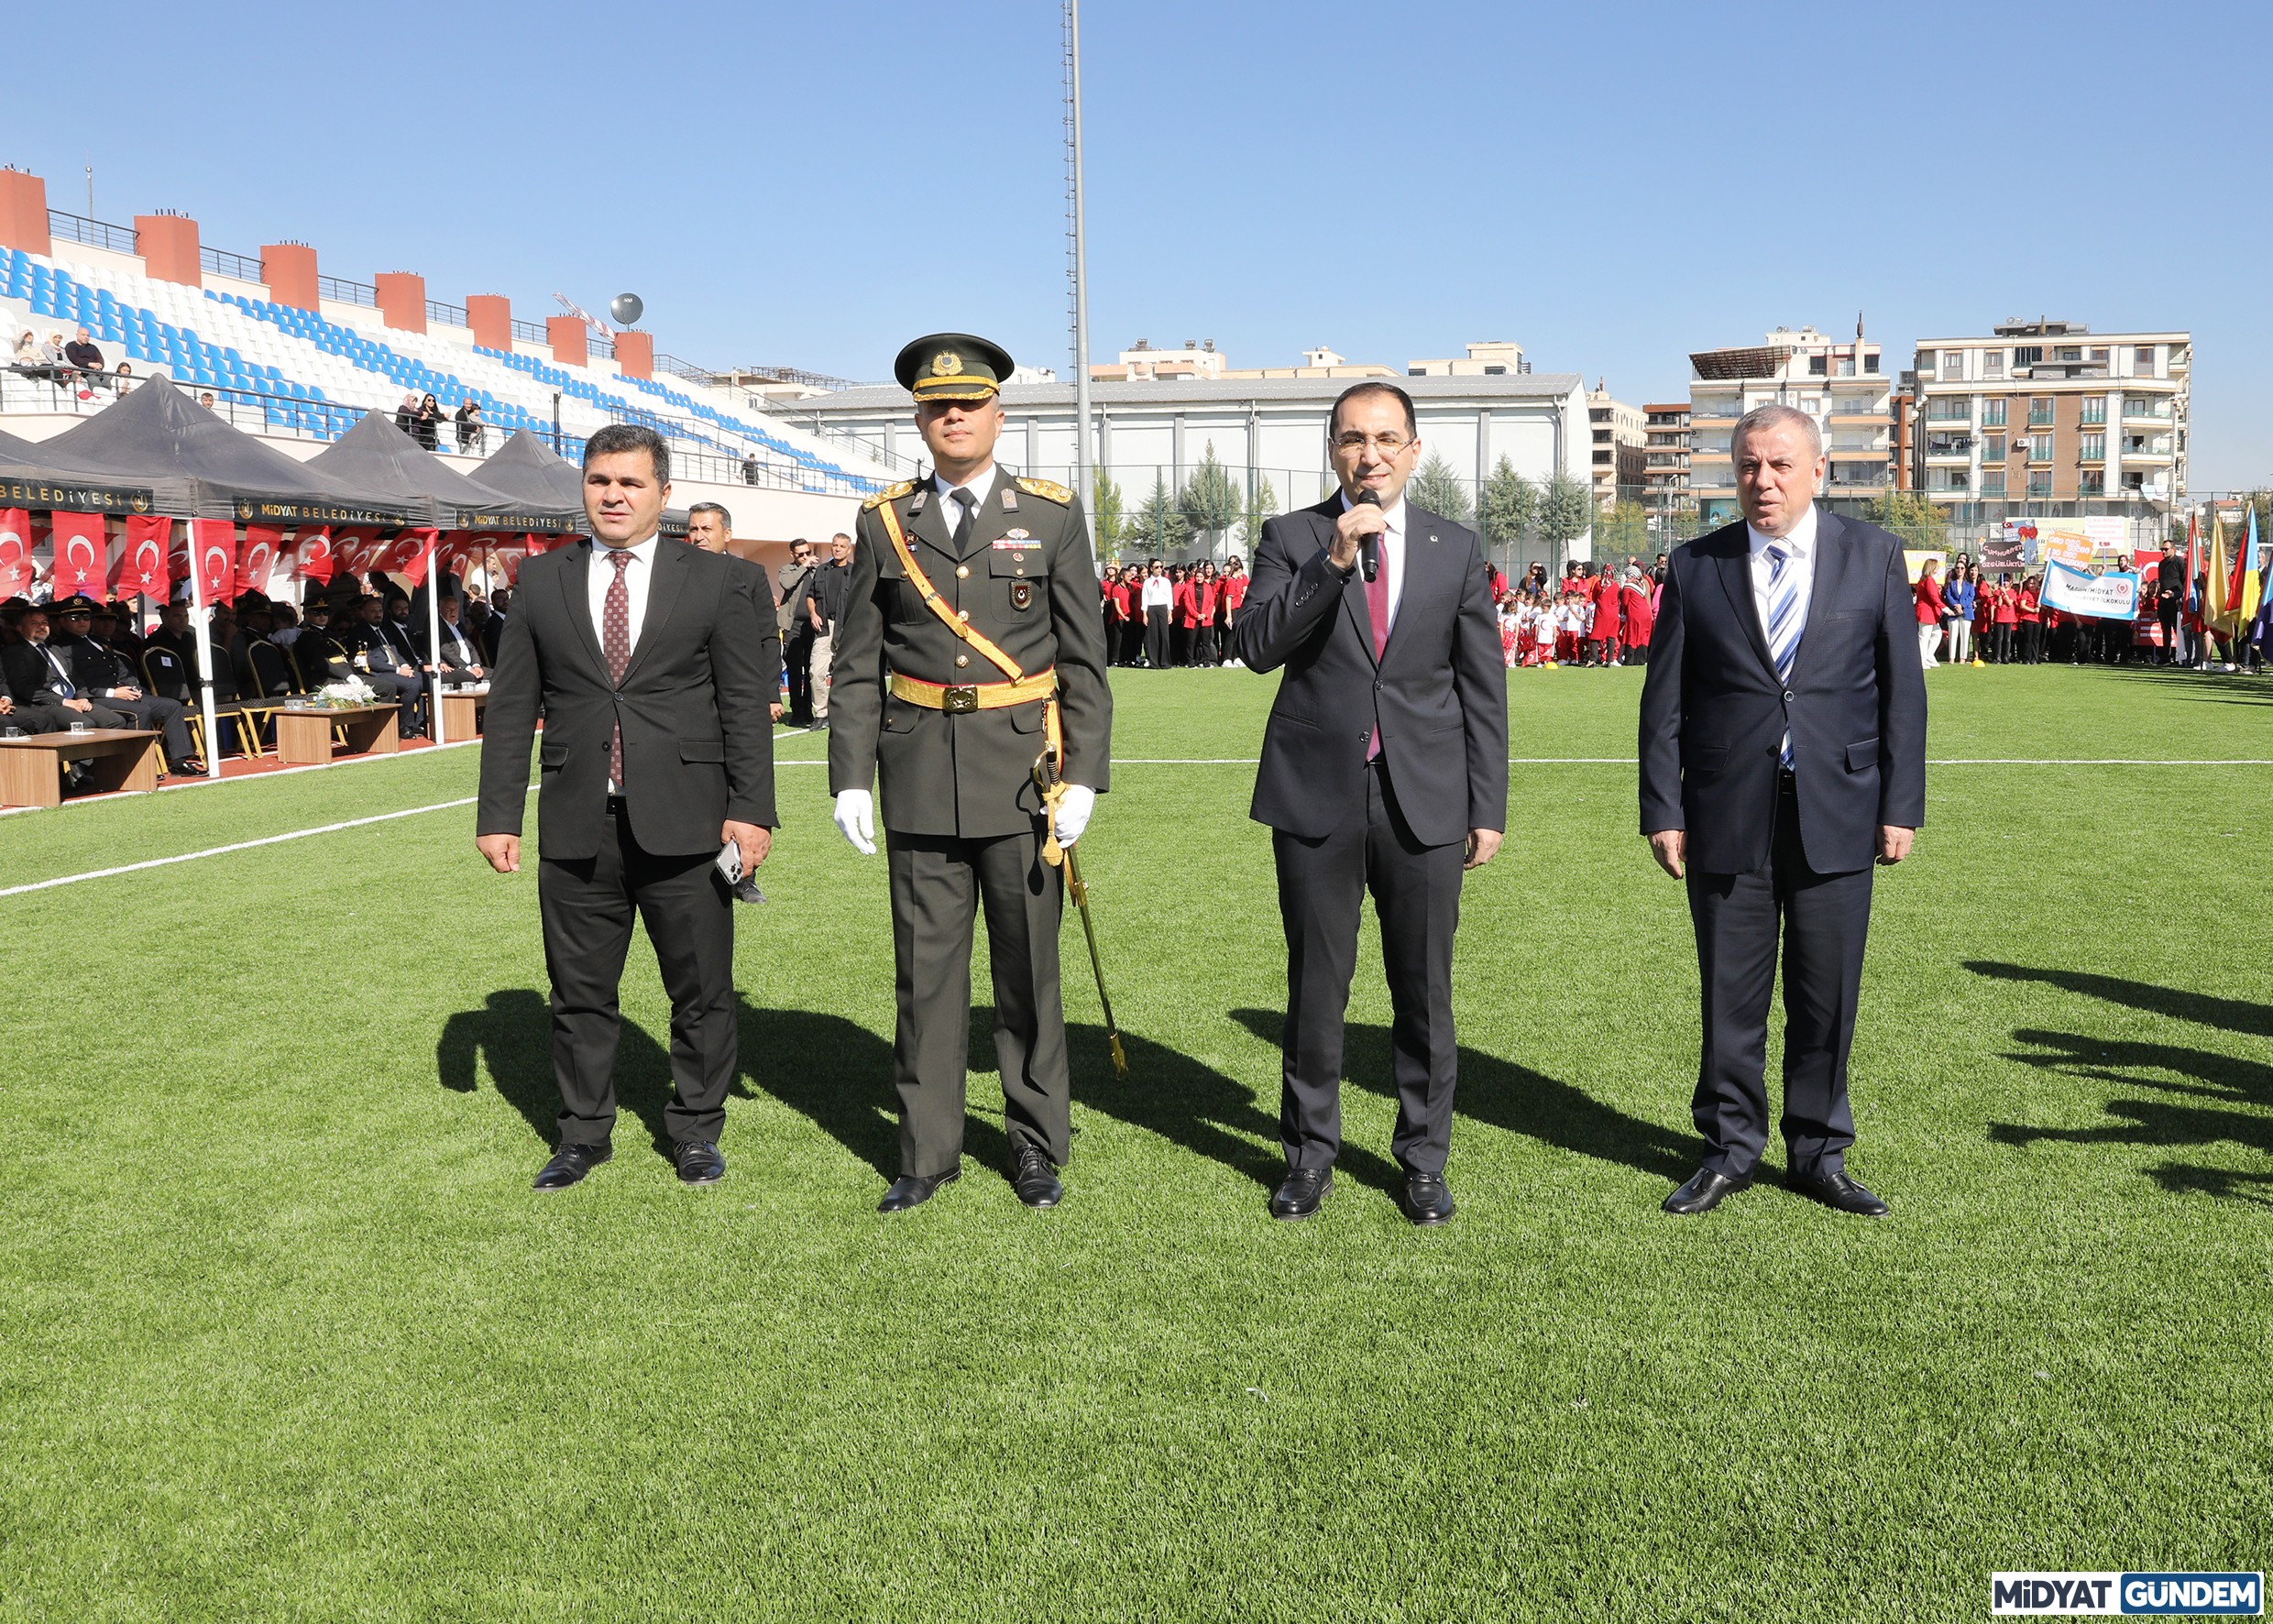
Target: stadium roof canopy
(193, 464)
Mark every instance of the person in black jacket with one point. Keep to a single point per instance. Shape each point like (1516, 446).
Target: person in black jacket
(392, 672)
(710, 526)
(44, 682)
(643, 658)
(1384, 768)
(102, 674)
(1783, 746)
(460, 660)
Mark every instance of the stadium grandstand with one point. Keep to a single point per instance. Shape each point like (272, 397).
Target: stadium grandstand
(295, 356)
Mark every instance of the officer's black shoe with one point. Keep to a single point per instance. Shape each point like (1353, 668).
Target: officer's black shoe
(910, 1191)
(1301, 1196)
(1703, 1193)
(570, 1163)
(698, 1161)
(1035, 1180)
(1839, 1191)
(1428, 1200)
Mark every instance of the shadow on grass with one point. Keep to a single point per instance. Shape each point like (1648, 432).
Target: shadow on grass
(1516, 1098)
(2200, 1097)
(512, 1034)
(2216, 688)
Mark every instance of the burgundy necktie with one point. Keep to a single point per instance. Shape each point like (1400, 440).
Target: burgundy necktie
(615, 642)
(1377, 610)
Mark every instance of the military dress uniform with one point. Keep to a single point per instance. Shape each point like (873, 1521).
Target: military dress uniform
(921, 704)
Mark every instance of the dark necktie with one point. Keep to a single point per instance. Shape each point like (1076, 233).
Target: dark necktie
(970, 501)
(62, 678)
(1377, 610)
(615, 642)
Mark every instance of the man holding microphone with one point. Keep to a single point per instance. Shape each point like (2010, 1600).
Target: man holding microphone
(1384, 769)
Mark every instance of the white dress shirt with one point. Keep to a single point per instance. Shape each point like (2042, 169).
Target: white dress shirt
(637, 577)
(980, 485)
(1159, 592)
(1802, 543)
(1392, 550)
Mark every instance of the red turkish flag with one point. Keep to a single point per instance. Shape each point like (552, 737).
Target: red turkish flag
(354, 548)
(262, 542)
(312, 555)
(16, 572)
(143, 569)
(212, 548)
(79, 553)
(536, 544)
(458, 550)
(409, 554)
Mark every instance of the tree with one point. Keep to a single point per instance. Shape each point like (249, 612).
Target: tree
(1105, 515)
(1438, 488)
(1623, 529)
(1159, 528)
(1911, 516)
(1261, 506)
(1209, 502)
(1510, 505)
(1566, 509)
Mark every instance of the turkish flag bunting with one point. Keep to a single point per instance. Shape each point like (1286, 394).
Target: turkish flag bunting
(354, 548)
(457, 551)
(14, 552)
(143, 568)
(212, 548)
(536, 544)
(409, 555)
(312, 555)
(262, 544)
(80, 555)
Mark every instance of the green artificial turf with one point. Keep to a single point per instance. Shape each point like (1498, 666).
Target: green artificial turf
(285, 1334)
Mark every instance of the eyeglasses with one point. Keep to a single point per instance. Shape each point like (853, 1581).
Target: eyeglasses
(1386, 445)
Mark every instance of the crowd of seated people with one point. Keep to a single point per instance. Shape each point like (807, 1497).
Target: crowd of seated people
(80, 662)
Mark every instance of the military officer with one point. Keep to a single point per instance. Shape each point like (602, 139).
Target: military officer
(971, 642)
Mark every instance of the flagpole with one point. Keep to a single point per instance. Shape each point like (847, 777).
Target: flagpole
(200, 617)
(433, 632)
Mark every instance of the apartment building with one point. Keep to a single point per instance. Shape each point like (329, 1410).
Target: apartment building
(1666, 454)
(1616, 437)
(2050, 411)
(1838, 382)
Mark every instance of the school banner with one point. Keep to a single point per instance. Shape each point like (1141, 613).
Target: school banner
(2112, 596)
(2077, 542)
(1916, 559)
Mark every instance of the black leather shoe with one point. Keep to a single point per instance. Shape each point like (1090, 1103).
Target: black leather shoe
(1035, 1179)
(1428, 1200)
(698, 1161)
(570, 1163)
(1840, 1193)
(910, 1191)
(1703, 1193)
(1303, 1194)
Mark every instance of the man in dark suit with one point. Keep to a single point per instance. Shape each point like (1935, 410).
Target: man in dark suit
(1783, 753)
(643, 658)
(1385, 768)
(456, 661)
(392, 672)
(44, 686)
(102, 674)
(710, 527)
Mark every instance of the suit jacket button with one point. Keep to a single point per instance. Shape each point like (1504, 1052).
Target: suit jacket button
(962, 570)
(1789, 695)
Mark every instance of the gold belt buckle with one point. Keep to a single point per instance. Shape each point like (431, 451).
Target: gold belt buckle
(960, 700)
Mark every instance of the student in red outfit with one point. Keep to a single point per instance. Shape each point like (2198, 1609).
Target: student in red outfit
(1603, 633)
(1640, 617)
(1231, 592)
(1985, 620)
(1928, 591)
(2031, 610)
(1202, 622)
(1179, 616)
(2004, 617)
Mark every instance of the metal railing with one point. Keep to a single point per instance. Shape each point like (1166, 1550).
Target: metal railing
(342, 291)
(220, 262)
(95, 234)
(528, 332)
(453, 315)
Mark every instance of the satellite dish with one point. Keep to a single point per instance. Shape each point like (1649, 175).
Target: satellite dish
(625, 308)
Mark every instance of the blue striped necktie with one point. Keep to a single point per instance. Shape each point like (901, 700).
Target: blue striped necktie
(1783, 620)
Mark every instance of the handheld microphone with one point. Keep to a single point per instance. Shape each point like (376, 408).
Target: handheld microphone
(1369, 550)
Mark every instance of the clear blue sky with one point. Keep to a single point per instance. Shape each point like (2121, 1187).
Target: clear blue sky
(1611, 186)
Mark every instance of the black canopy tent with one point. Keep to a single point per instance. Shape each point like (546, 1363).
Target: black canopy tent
(31, 477)
(195, 465)
(377, 455)
(526, 467)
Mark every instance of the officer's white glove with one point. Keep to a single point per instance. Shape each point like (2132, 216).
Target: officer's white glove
(1074, 809)
(856, 817)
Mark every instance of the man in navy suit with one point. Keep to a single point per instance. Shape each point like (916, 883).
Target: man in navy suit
(1385, 768)
(1782, 755)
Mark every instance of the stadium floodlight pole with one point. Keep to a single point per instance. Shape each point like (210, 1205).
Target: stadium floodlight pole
(1083, 483)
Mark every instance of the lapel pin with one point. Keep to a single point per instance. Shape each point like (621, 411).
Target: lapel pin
(1010, 498)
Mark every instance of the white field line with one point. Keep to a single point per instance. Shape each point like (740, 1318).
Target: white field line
(1574, 761)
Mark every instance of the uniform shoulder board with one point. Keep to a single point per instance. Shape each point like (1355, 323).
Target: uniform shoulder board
(1046, 490)
(890, 493)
